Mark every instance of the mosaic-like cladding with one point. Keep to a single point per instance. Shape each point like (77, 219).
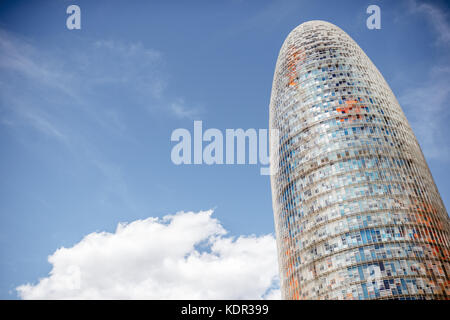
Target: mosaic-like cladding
(357, 213)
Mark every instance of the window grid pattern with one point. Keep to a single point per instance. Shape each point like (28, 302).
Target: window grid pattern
(357, 212)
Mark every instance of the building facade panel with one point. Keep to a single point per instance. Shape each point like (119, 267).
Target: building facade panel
(357, 212)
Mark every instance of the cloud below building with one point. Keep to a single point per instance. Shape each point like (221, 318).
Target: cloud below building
(183, 256)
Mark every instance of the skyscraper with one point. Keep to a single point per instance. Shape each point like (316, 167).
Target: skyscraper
(357, 212)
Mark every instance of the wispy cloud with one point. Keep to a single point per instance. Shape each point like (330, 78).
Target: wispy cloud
(22, 59)
(21, 114)
(102, 73)
(426, 104)
(44, 125)
(80, 99)
(437, 18)
(274, 13)
(428, 112)
(268, 16)
(180, 110)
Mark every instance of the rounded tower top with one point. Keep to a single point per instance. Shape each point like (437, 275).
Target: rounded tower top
(299, 31)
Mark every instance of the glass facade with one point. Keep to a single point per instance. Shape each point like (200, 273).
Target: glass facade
(357, 213)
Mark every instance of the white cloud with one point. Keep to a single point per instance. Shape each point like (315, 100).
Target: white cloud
(182, 256)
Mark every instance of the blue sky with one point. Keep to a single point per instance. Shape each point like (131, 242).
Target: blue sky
(86, 115)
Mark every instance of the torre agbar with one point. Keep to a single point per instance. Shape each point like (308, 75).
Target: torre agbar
(357, 213)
